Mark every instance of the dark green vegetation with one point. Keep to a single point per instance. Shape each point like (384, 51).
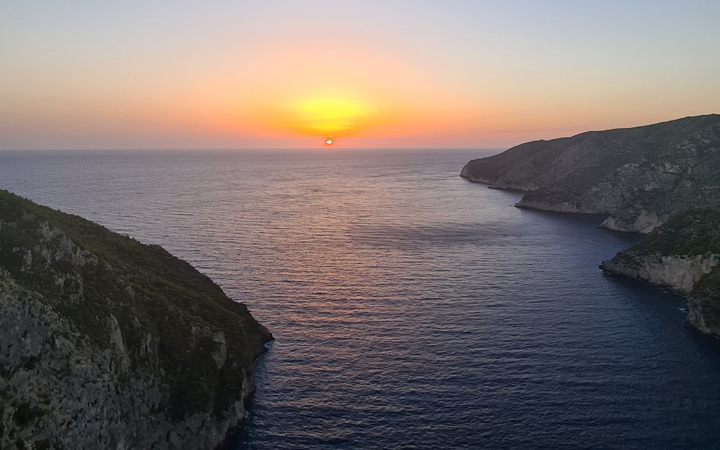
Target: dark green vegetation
(172, 317)
(689, 233)
(25, 414)
(641, 176)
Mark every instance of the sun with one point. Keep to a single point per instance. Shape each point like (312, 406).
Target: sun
(329, 142)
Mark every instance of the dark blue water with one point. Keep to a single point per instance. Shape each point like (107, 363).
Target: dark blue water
(412, 309)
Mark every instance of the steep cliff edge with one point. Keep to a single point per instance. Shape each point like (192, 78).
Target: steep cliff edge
(107, 343)
(639, 177)
(683, 254)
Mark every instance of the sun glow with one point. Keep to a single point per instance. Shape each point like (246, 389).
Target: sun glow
(353, 94)
(329, 116)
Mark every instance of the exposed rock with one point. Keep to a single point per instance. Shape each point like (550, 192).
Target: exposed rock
(683, 255)
(676, 273)
(106, 343)
(704, 304)
(639, 177)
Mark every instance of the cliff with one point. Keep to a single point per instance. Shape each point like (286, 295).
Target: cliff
(639, 177)
(107, 343)
(683, 255)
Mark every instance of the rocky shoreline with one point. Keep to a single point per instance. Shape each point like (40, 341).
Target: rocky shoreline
(682, 255)
(661, 179)
(675, 269)
(679, 274)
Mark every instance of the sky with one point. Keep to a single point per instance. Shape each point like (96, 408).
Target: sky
(393, 73)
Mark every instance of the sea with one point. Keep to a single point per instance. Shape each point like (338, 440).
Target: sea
(411, 309)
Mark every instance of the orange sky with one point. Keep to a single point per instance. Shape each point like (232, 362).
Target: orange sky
(406, 74)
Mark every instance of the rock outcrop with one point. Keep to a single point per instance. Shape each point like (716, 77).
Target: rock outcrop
(106, 343)
(683, 255)
(639, 177)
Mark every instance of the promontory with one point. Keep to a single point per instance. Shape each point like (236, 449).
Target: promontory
(638, 177)
(683, 255)
(107, 343)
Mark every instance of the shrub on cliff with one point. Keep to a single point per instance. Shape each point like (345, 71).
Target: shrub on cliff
(689, 233)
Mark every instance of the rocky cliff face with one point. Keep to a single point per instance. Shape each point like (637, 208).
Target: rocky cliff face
(639, 176)
(106, 343)
(678, 273)
(683, 254)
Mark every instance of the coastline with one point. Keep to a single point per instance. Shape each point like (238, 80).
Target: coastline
(678, 274)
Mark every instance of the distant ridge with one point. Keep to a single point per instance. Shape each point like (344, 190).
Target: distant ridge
(639, 176)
